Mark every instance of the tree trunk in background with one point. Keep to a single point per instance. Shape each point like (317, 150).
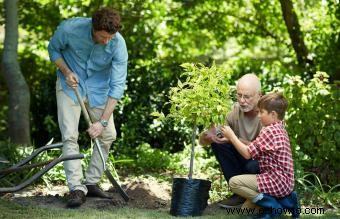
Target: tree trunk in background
(19, 94)
(296, 36)
(337, 74)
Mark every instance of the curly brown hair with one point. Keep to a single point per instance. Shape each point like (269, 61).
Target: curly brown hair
(106, 19)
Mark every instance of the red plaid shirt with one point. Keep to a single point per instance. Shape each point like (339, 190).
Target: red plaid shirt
(272, 149)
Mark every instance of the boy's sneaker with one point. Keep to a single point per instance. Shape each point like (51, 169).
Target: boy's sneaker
(235, 201)
(76, 198)
(291, 202)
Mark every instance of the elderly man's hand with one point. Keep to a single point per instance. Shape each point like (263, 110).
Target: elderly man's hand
(220, 140)
(211, 136)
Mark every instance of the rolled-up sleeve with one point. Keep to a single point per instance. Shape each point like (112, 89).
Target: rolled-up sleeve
(252, 149)
(119, 72)
(57, 43)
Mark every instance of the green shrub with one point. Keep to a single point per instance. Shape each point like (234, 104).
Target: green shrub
(313, 125)
(151, 159)
(313, 192)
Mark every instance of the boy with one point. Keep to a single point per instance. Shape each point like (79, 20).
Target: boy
(272, 188)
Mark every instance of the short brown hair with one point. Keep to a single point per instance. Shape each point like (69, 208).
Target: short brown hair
(274, 102)
(106, 19)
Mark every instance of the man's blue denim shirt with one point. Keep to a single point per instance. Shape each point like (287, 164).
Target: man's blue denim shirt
(101, 69)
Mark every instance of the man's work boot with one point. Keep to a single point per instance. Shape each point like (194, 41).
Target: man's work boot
(235, 201)
(96, 191)
(76, 198)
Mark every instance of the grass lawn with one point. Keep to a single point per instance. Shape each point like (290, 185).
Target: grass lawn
(13, 210)
(150, 198)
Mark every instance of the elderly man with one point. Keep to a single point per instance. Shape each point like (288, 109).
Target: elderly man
(245, 123)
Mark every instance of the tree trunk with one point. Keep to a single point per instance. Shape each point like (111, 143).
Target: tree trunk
(192, 157)
(296, 36)
(19, 95)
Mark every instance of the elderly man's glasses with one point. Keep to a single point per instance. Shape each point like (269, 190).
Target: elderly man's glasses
(245, 97)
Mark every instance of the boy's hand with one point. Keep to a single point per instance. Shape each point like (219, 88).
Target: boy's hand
(227, 132)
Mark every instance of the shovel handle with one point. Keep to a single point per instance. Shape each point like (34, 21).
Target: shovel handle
(82, 105)
(97, 144)
(89, 123)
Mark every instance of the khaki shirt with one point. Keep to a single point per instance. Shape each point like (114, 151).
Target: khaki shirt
(244, 127)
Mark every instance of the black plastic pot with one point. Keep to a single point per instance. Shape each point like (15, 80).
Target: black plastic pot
(189, 196)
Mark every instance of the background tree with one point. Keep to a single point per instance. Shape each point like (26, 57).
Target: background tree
(19, 95)
(295, 34)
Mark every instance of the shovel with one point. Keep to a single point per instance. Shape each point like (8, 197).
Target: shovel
(97, 144)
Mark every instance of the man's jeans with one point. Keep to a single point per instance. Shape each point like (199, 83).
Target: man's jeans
(232, 163)
(68, 118)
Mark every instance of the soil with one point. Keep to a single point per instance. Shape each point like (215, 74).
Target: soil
(146, 193)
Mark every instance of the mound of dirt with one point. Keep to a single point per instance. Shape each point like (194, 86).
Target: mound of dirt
(145, 193)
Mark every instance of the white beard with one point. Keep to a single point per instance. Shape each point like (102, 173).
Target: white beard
(246, 109)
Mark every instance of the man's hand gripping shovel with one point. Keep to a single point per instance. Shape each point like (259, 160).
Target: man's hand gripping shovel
(97, 144)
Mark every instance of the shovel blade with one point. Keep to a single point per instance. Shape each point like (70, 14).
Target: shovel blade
(116, 185)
